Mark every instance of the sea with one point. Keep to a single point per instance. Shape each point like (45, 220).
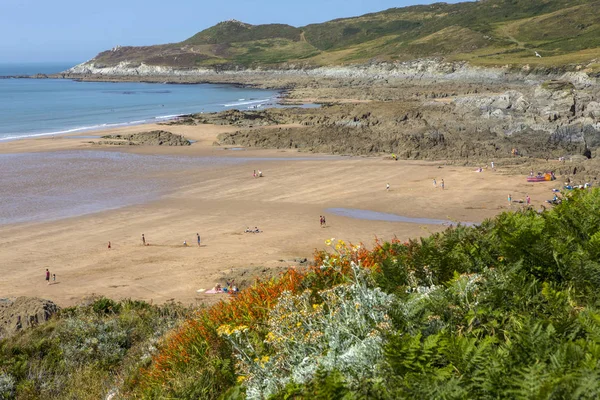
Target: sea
(38, 107)
(47, 186)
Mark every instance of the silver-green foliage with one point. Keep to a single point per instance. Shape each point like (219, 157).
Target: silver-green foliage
(7, 386)
(338, 329)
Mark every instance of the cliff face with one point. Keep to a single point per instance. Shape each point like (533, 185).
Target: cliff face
(422, 69)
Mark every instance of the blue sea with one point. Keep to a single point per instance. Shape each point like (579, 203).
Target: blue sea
(36, 107)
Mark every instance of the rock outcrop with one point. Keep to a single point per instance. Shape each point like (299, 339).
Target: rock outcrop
(152, 138)
(23, 313)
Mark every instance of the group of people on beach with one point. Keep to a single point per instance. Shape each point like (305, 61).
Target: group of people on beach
(442, 184)
(49, 275)
(527, 200)
(257, 174)
(229, 287)
(145, 243)
(322, 221)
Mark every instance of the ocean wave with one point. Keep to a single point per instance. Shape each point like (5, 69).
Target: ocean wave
(89, 128)
(245, 103)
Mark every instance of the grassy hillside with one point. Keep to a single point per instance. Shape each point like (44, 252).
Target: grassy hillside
(491, 32)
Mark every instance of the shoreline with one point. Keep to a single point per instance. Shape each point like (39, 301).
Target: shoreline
(219, 202)
(275, 100)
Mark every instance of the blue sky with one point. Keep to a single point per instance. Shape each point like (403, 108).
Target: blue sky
(76, 30)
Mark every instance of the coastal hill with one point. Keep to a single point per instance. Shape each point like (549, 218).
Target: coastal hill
(538, 33)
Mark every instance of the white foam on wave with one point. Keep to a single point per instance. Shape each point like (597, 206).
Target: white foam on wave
(245, 103)
(89, 128)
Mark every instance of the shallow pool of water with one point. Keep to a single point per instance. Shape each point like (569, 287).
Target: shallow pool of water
(381, 216)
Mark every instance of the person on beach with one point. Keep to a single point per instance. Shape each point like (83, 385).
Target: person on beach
(509, 199)
(321, 220)
(109, 247)
(434, 183)
(254, 174)
(492, 165)
(53, 277)
(198, 238)
(387, 187)
(143, 239)
(442, 184)
(528, 200)
(47, 276)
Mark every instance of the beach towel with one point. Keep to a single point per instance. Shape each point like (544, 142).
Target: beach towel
(213, 291)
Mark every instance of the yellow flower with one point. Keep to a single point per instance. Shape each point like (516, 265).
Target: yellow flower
(270, 337)
(224, 330)
(299, 324)
(265, 359)
(241, 378)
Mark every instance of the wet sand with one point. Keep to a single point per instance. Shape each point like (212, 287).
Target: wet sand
(219, 201)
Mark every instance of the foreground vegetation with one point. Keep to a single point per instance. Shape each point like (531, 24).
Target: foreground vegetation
(84, 352)
(507, 309)
(491, 32)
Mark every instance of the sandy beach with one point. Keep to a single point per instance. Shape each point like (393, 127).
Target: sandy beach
(219, 201)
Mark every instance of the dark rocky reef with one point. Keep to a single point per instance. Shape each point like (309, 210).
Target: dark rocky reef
(152, 138)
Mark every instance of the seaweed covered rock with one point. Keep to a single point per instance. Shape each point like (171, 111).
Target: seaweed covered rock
(152, 138)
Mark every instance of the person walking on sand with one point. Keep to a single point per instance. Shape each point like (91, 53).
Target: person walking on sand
(387, 187)
(434, 183)
(442, 184)
(109, 247)
(324, 221)
(143, 239)
(528, 200)
(198, 237)
(47, 276)
(509, 199)
(321, 220)
(53, 277)
(492, 165)
(254, 174)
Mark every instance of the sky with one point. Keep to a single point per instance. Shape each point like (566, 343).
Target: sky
(74, 31)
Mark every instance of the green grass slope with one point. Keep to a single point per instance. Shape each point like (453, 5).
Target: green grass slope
(491, 32)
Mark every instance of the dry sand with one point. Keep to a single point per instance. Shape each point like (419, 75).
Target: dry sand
(219, 203)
